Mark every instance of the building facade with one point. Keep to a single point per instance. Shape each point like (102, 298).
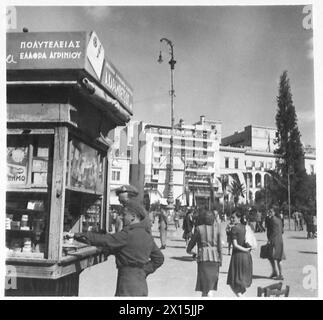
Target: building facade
(119, 160)
(249, 155)
(196, 160)
(201, 155)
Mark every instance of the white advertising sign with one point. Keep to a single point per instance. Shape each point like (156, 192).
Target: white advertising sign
(95, 54)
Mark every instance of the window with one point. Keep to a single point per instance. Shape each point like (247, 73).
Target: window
(182, 142)
(116, 175)
(270, 165)
(160, 139)
(226, 163)
(160, 149)
(156, 171)
(261, 164)
(157, 160)
(236, 163)
(253, 164)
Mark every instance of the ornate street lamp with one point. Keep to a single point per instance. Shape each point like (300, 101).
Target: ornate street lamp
(170, 197)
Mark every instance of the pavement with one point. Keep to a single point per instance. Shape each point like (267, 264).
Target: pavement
(176, 278)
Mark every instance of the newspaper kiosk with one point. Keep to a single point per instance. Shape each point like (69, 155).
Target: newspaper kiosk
(63, 97)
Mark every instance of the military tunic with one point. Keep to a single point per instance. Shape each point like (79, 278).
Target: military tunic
(137, 256)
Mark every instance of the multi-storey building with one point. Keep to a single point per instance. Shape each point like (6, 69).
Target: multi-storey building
(199, 155)
(249, 155)
(119, 159)
(196, 160)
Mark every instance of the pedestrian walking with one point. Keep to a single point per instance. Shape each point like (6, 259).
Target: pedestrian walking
(259, 219)
(162, 220)
(281, 216)
(296, 220)
(275, 241)
(188, 225)
(228, 231)
(309, 224)
(176, 219)
(151, 216)
(137, 255)
(207, 237)
(240, 269)
(301, 221)
(314, 221)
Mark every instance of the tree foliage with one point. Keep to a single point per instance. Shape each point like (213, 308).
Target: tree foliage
(290, 161)
(237, 189)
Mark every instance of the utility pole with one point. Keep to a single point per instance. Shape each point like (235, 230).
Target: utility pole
(170, 197)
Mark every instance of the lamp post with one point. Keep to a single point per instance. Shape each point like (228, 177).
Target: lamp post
(170, 197)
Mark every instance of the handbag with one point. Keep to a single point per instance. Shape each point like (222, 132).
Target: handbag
(250, 239)
(265, 251)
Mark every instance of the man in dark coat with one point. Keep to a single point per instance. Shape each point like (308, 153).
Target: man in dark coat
(136, 252)
(188, 225)
(275, 240)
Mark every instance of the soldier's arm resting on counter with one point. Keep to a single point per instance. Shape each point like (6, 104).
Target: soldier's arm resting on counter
(111, 241)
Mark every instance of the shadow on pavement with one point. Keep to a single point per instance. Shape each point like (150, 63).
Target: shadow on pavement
(183, 258)
(255, 276)
(178, 247)
(308, 252)
(297, 238)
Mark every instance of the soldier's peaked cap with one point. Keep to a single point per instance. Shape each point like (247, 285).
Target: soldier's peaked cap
(127, 188)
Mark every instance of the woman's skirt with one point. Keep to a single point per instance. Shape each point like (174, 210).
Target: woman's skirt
(207, 276)
(240, 271)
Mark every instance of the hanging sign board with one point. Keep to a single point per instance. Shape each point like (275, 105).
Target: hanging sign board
(45, 50)
(45, 56)
(117, 86)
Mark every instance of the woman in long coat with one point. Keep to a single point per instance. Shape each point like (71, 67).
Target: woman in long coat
(240, 269)
(207, 236)
(275, 240)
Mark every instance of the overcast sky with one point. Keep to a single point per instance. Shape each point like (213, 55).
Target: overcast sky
(229, 59)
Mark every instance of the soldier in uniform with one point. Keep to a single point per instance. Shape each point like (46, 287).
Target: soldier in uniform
(136, 252)
(129, 192)
(125, 193)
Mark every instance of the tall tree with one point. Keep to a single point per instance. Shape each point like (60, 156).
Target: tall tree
(237, 189)
(290, 161)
